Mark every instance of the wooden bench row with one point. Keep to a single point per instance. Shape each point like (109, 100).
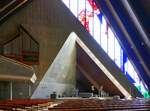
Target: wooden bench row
(24, 104)
(97, 105)
(75, 104)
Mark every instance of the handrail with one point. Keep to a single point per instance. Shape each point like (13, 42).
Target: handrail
(12, 77)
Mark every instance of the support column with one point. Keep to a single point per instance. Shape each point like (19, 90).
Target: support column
(29, 90)
(11, 93)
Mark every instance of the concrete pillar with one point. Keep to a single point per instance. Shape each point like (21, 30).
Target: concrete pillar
(29, 90)
(11, 93)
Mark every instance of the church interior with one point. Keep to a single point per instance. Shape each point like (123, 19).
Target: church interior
(74, 55)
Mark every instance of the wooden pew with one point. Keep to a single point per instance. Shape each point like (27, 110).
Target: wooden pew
(104, 105)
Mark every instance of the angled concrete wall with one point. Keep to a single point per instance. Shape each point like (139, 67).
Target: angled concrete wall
(60, 76)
